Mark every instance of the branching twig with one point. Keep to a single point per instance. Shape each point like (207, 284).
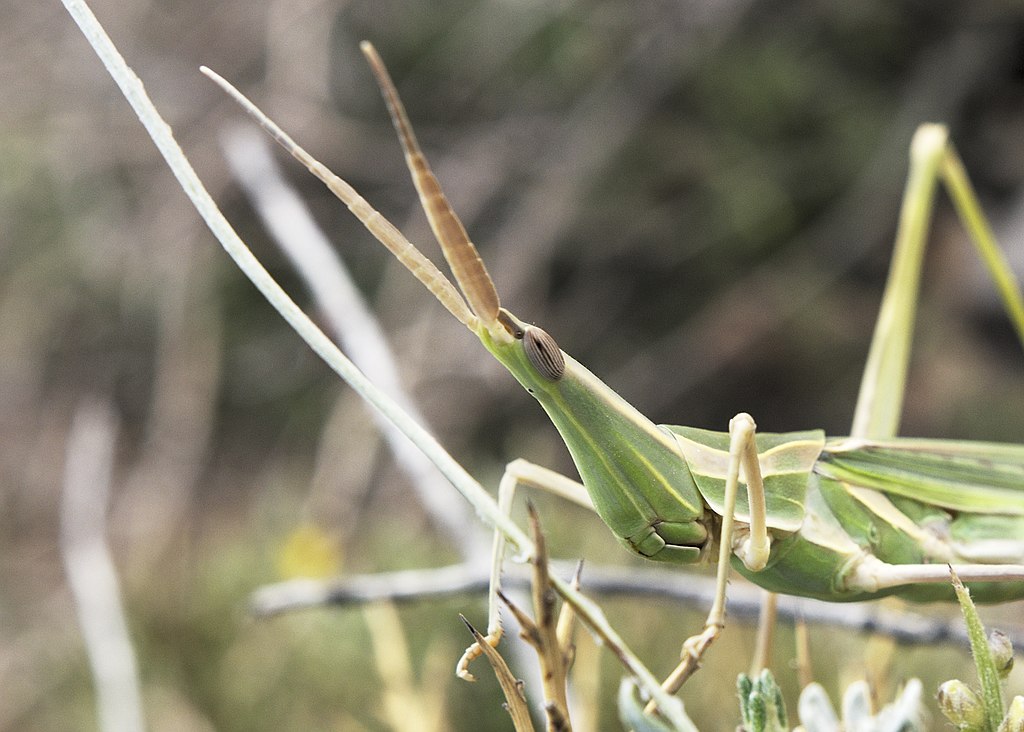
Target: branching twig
(542, 633)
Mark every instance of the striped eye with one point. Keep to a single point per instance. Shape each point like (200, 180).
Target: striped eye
(543, 353)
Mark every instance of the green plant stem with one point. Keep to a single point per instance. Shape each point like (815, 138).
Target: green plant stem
(988, 675)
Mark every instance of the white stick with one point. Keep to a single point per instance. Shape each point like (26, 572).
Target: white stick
(91, 571)
(133, 90)
(305, 244)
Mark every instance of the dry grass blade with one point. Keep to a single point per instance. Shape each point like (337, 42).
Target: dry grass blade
(510, 685)
(407, 705)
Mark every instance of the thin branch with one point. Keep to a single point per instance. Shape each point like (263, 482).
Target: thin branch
(637, 581)
(543, 635)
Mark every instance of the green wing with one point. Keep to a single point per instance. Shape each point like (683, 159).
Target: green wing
(973, 477)
(786, 464)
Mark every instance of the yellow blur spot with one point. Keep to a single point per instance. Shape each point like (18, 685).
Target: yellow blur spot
(309, 552)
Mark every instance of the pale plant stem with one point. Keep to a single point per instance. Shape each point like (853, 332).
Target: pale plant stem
(765, 632)
(92, 575)
(301, 239)
(482, 502)
(162, 136)
(906, 627)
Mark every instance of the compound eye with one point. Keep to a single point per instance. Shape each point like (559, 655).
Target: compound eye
(543, 353)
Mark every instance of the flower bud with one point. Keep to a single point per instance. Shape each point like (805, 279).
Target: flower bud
(961, 705)
(1014, 719)
(1002, 652)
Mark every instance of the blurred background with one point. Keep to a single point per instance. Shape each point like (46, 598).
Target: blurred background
(696, 199)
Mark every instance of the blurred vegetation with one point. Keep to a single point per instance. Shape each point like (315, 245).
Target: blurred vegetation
(696, 199)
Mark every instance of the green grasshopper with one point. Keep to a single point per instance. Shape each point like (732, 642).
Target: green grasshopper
(839, 519)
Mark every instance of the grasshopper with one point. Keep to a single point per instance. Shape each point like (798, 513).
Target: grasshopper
(841, 519)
